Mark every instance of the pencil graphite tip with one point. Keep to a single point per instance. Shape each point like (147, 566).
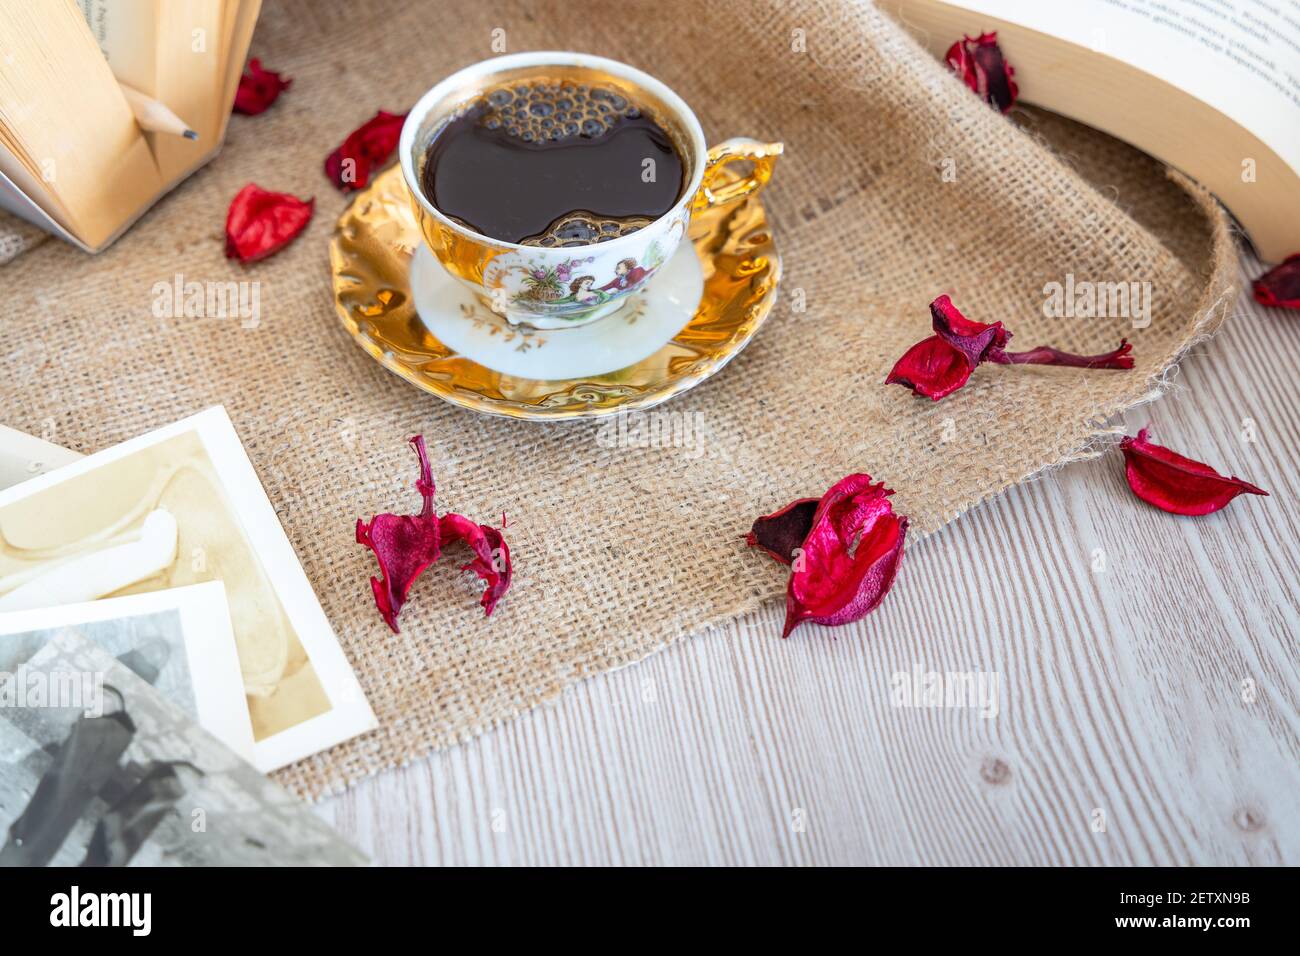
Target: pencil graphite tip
(190, 134)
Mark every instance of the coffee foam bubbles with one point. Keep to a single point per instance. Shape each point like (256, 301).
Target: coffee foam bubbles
(538, 111)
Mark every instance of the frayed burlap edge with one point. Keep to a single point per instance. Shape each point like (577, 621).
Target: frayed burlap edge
(1211, 311)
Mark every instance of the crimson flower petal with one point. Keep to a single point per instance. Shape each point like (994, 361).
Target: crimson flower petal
(932, 367)
(943, 363)
(1176, 484)
(404, 545)
(849, 558)
(781, 532)
(1280, 286)
(491, 555)
(258, 89)
(366, 147)
(975, 339)
(261, 223)
(938, 366)
(980, 65)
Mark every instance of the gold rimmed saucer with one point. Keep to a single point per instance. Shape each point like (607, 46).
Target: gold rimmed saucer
(370, 261)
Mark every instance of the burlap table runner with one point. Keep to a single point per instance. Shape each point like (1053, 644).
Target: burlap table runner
(620, 551)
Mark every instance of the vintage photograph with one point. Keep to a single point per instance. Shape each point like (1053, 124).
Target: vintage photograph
(24, 456)
(135, 781)
(179, 641)
(177, 507)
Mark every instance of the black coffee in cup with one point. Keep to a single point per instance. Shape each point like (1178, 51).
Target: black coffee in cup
(552, 162)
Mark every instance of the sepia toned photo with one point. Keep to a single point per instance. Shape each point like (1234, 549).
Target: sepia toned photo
(180, 507)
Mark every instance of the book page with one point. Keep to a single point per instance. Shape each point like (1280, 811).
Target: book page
(18, 192)
(241, 36)
(1241, 57)
(126, 31)
(190, 39)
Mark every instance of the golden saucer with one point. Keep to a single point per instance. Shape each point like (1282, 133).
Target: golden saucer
(370, 257)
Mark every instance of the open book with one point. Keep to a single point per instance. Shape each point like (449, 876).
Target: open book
(72, 158)
(1212, 89)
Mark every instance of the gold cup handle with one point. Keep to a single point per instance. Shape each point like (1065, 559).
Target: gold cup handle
(719, 188)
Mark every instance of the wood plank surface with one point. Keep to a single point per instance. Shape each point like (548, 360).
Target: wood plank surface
(1146, 671)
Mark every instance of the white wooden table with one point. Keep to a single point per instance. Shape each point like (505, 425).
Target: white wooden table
(1147, 672)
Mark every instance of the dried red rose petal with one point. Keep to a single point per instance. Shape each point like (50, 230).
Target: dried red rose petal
(849, 559)
(261, 223)
(975, 340)
(258, 89)
(782, 532)
(981, 66)
(1176, 484)
(404, 545)
(849, 548)
(491, 555)
(1280, 286)
(932, 368)
(367, 146)
(939, 365)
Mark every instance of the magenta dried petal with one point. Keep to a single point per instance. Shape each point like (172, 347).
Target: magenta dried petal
(497, 573)
(404, 545)
(982, 67)
(1280, 286)
(938, 366)
(260, 222)
(974, 339)
(1177, 484)
(781, 532)
(849, 558)
(367, 146)
(932, 368)
(491, 555)
(259, 88)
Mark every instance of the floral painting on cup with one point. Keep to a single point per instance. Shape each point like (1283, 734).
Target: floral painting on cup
(572, 288)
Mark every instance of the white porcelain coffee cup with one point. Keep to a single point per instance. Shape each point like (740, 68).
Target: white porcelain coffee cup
(563, 287)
